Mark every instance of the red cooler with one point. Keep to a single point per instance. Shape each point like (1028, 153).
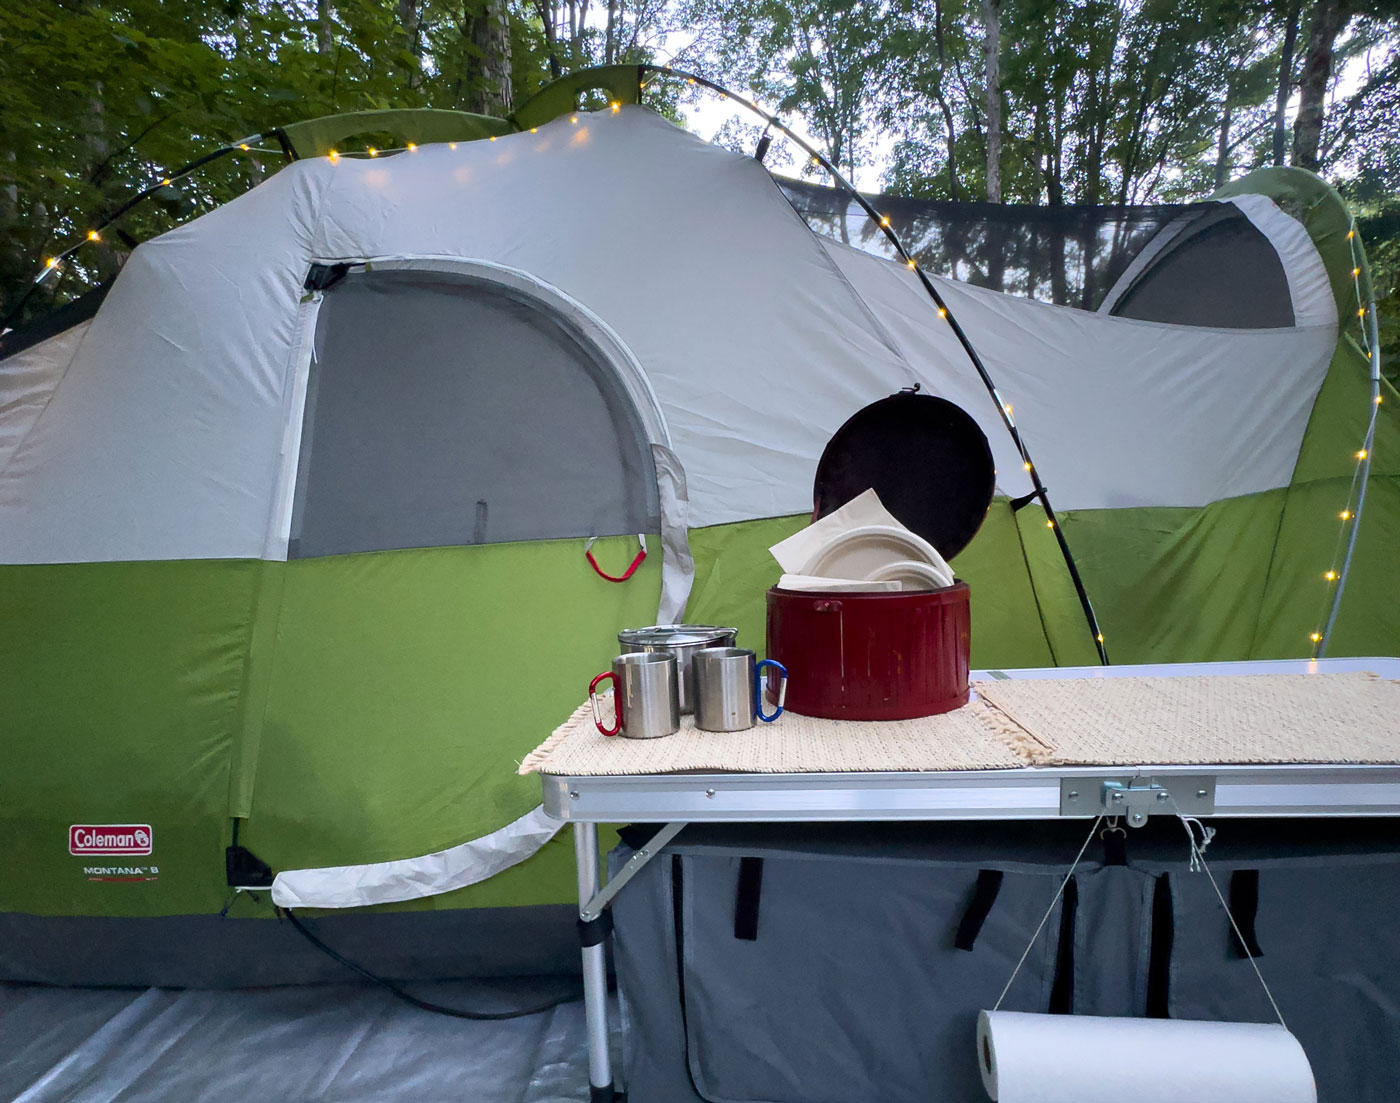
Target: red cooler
(872, 656)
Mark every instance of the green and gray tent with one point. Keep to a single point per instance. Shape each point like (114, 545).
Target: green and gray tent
(293, 529)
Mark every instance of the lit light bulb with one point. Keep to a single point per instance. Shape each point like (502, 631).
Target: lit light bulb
(1345, 515)
(332, 155)
(1377, 400)
(493, 137)
(690, 80)
(573, 119)
(616, 107)
(816, 160)
(534, 130)
(910, 262)
(451, 145)
(412, 148)
(243, 146)
(1355, 272)
(1007, 408)
(93, 235)
(1027, 465)
(165, 183)
(884, 220)
(1361, 313)
(52, 262)
(1351, 234)
(1331, 576)
(1361, 454)
(942, 310)
(1316, 637)
(1050, 522)
(1100, 637)
(372, 151)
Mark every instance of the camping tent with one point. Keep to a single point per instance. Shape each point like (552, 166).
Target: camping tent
(293, 529)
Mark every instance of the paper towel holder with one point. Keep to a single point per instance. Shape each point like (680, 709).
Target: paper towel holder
(1138, 798)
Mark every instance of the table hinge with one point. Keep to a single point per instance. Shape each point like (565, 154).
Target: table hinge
(1137, 798)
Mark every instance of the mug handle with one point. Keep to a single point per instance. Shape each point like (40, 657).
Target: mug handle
(758, 689)
(617, 704)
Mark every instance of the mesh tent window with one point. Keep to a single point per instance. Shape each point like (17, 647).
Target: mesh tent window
(1203, 264)
(445, 409)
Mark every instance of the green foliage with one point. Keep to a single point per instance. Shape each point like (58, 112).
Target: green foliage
(1102, 101)
(100, 98)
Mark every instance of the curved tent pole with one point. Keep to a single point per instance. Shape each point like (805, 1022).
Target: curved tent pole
(618, 76)
(95, 234)
(1363, 476)
(1003, 410)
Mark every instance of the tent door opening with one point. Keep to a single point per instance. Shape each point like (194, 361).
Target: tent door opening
(451, 403)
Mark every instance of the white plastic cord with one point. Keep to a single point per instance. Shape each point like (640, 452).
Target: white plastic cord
(1045, 918)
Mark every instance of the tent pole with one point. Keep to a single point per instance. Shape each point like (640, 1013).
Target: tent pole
(1373, 332)
(1003, 410)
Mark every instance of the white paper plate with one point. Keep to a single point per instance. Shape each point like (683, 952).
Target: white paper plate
(837, 585)
(860, 552)
(912, 574)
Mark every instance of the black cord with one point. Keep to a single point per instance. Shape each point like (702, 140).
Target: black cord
(408, 997)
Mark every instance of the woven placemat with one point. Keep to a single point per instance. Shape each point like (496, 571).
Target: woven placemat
(1215, 720)
(973, 737)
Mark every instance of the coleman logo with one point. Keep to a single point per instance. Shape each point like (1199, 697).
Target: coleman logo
(109, 838)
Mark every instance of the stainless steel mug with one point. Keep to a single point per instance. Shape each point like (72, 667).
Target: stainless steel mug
(728, 689)
(682, 641)
(646, 695)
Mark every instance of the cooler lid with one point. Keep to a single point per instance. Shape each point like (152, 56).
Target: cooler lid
(926, 458)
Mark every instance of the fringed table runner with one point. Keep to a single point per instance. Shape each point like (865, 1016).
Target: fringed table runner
(1188, 720)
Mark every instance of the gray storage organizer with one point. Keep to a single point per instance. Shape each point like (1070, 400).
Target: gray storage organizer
(802, 964)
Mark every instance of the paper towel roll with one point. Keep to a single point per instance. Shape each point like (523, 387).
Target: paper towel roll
(1087, 1059)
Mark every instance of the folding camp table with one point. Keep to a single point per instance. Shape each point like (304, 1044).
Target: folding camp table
(1032, 792)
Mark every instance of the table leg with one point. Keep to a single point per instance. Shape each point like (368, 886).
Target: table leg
(595, 971)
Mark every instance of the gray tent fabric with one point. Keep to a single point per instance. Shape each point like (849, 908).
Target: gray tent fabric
(854, 987)
(385, 462)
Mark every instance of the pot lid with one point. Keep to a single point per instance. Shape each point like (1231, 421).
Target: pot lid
(926, 458)
(675, 634)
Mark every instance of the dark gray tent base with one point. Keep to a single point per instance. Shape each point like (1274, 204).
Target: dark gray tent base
(205, 951)
(316, 1044)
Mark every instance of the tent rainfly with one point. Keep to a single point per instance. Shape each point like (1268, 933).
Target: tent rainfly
(293, 529)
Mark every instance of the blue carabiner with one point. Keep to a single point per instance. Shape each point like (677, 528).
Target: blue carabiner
(758, 689)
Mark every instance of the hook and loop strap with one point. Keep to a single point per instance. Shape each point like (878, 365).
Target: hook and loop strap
(625, 575)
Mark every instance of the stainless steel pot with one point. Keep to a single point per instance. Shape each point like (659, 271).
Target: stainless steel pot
(682, 641)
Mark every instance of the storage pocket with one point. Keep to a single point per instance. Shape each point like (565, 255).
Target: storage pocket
(852, 987)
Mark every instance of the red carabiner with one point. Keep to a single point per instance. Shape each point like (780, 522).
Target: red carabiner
(625, 575)
(617, 703)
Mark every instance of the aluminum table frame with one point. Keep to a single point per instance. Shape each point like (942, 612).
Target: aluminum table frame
(1024, 793)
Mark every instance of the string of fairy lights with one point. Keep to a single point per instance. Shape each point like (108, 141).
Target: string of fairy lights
(1335, 577)
(1344, 546)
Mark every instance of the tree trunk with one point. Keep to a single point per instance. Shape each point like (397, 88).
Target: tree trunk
(410, 23)
(991, 16)
(486, 27)
(1285, 81)
(1327, 23)
(1222, 149)
(610, 41)
(325, 28)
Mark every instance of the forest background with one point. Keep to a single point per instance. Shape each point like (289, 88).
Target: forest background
(1099, 102)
